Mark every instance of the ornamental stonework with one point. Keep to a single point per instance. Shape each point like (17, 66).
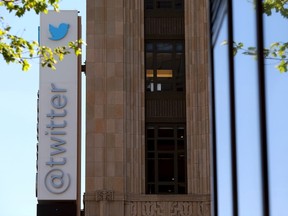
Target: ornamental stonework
(181, 208)
(104, 195)
(168, 208)
(153, 209)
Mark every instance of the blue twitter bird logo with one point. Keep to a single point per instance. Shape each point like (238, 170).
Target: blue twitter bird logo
(58, 33)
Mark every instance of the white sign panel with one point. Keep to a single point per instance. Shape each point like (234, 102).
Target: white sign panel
(57, 148)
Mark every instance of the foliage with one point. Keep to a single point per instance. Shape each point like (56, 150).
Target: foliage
(277, 51)
(15, 49)
(277, 5)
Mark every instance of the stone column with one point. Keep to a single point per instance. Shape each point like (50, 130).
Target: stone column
(196, 46)
(105, 108)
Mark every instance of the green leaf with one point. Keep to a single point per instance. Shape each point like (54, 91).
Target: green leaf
(282, 66)
(25, 65)
(225, 42)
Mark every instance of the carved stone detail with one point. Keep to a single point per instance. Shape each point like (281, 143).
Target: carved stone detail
(168, 208)
(104, 195)
(206, 208)
(133, 208)
(153, 209)
(181, 209)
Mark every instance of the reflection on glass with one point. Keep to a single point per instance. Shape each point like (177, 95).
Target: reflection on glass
(181, 167)
(163, 4)
(164, 47)
(166, 132)
(275, 27)
(166, 159)
(148, 4)
(221, 62)
(165, 145)
(165, 66)
(150, 145)
(159, 73)
(166, 189)
(247, 121)
(165, 73)
(149, 60)
(164, 60)
(149, 73)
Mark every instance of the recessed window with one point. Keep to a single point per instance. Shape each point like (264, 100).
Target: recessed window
(163, 4)
(164, 63)
(165, 159)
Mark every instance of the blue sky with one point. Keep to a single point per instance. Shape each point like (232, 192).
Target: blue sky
(18, 93)
(247, 127)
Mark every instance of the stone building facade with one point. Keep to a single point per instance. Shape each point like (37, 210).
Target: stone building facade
(133, 101)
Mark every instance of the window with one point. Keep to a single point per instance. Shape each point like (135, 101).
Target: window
(163, 4)
(164, 66)
(165, 159)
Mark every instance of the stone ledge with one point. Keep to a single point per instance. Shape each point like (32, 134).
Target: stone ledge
(109, 195)
(181, 198)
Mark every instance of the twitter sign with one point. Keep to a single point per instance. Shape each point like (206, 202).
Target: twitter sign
(59, 32)
(58, 174)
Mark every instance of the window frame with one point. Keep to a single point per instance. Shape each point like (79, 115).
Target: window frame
(154, 180)
(155, 5)
(176, 82)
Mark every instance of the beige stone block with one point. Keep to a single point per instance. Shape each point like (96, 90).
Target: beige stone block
(90, 125)
(110, 28)
(110, 140)
(90, 25)
(99, 84)
(99, 42)
(89, 109)
(110, 42)
(98, 183)
(114, 84)
(90, 169)
(119, 57)
(119, 126)
(119, 140)
(99, 140)
(119, 27)
(111, 3)
(116, 183)
(119, 169)
(90, 41)
(95, 169)
(115, 97)
(119, 69)
(110, 155)
(115, 111)
(89, 183)
(110, 125)
(99, 56)
(99, 3)
(89, 140)
(99, 97)
(119, 42)
(110, 70)
(100, 125)
(90, 155)
(110, 55)
(110, 169)
(98, 154)
(99, 169)
(99, 111)
(99, 14)
(118, 155)
(90, 55)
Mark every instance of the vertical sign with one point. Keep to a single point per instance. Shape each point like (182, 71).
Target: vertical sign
(58, 114)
